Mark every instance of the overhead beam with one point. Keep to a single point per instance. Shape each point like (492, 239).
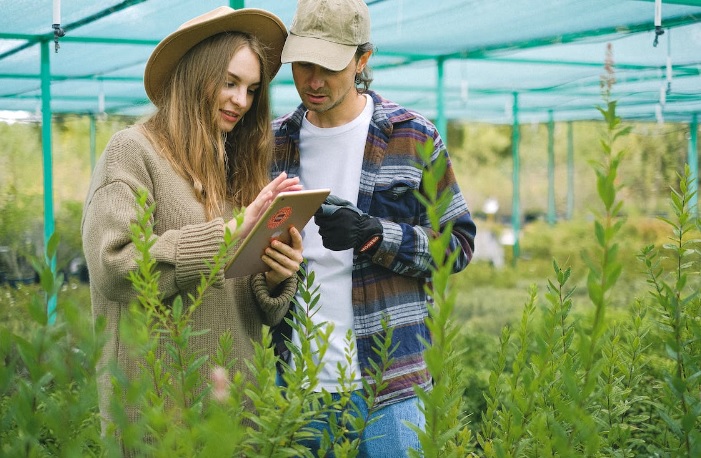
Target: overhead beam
(485, 51)
(690, 67)
(34, 39)
(79, 39)
(36, 76)
(680, 2)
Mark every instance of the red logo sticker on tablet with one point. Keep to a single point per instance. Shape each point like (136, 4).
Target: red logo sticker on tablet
(279, 217)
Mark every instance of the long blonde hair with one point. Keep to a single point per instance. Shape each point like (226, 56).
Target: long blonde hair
(222, 167)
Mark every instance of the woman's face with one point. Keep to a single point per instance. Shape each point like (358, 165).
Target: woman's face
(242, 83)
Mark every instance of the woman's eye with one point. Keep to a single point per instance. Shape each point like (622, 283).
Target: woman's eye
(230, 84)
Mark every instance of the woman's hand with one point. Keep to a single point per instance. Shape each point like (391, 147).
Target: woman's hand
(283, 259)
(261, 203)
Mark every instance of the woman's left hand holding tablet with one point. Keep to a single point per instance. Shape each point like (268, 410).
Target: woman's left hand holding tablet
(283, 259)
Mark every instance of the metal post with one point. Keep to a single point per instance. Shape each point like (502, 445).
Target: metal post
(551, 169)
(237, 4)
(693, 160)
(48, 165)
(516, 204)
(441, 123)
(570, 171)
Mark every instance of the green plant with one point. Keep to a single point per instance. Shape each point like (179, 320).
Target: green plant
(171, 395)
(446, 432)
(563, 393)
(284, 414)
(336, 422)
(598, 372)
(677, 303)
(47, 377)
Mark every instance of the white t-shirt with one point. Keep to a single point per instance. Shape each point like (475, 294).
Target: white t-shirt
(332, 158)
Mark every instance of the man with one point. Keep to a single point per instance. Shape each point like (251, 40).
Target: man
(369, 252)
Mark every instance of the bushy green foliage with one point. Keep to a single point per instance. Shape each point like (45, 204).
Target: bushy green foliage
(48, 403)
(562, 383)
(446, 433)
(171, 411)
(597, 366)
(678, 331)
(581, 384)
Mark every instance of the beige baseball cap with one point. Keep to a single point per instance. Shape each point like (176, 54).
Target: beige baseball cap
(327, 32)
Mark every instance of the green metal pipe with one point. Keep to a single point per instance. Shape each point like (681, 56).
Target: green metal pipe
(441, 123)
(516, 198)
(570, 171)
(551, 169)
(48, 165)
(72, 26)
(693, 159)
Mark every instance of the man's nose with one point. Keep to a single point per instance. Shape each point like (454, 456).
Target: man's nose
(316, 79)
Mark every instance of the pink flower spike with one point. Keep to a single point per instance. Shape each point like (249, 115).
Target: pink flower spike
(220, 384)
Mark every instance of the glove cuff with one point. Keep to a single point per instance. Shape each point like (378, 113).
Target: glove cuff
(372, 229)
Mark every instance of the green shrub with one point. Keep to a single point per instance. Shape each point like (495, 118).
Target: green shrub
(602, 380)
(48, 394)
(606, 363)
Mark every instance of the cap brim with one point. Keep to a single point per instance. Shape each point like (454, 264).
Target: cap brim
(329, 55)
(269, 30)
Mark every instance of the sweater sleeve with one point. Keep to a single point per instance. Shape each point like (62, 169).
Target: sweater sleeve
(181, 248)
(181, 255)
(274, 308)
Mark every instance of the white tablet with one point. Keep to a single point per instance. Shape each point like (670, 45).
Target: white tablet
(288, 209)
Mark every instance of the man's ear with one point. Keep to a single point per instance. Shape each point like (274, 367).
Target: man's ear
(363, 61)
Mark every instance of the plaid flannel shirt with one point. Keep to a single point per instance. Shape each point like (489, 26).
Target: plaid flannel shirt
(391, 282)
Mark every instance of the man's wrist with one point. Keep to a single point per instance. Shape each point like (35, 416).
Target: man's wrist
(374, 229)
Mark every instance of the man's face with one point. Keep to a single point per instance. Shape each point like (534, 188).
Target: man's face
(325, 91)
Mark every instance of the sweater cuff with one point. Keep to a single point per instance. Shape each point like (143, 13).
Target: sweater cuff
(197, 246)
(274, 307)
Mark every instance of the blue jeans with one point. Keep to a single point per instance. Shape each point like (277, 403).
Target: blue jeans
(388, 436)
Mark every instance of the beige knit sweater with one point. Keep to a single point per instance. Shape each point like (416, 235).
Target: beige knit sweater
(185, 240)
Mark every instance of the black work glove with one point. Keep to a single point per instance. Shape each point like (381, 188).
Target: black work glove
(342, 226)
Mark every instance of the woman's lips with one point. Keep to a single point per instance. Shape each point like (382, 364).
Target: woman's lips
(230, 115)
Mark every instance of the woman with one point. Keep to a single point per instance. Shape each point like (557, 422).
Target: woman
(204, 152)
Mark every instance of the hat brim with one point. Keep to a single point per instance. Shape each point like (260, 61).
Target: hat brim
(327, 54)
(265, 26)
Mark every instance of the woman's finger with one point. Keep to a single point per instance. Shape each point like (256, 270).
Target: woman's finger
(296, 240)
(284, 255)
(288, 185)
(276, 182)
(283, 259)
(278, 272)
(254, 211)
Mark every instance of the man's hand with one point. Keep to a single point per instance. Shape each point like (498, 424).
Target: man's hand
(343, 226)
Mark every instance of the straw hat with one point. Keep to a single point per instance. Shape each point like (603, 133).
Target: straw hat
(264, 25)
